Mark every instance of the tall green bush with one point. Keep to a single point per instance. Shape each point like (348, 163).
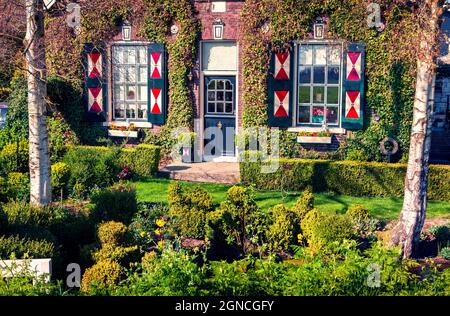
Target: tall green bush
(188, 208)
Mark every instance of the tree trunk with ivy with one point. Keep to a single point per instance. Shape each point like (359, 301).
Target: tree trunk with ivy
(412, 217)
(39, 161)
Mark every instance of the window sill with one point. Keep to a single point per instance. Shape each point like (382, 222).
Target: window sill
(138, 124)
(333, 130)
(116, 133)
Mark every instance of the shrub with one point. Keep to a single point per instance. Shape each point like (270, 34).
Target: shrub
(188, 208)
(284, 228)
(19, 247)
(358, 213)
(4, 190)
(14, 157)
(342, 177)
(321, 229)
(143, 228)
(304, 204)
(101, 277)
(24, 214)
(171, 273)
(237, 220)
(19, 186)
(60, 177)
(112, 233)
(142, 160)
(117, 203)
(357, 155)
(445, 253)
(91, 167)
(440, 232)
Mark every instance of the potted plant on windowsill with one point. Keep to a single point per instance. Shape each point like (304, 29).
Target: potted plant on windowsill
(314, 137)
(188, 153)
(123, 131)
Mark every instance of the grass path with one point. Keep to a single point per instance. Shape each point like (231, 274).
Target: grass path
(155, 190)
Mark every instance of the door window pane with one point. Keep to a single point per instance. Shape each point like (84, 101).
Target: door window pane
(306, 55)
(332, 114)
(220, 96)
(320, 55)
(333, 75)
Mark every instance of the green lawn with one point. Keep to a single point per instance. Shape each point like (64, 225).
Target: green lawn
(155, 190)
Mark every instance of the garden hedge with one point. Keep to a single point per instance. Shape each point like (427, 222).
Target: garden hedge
(143, 160)
(343, 177)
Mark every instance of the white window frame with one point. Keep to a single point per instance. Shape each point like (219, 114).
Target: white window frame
(124, 84)
(314, 127)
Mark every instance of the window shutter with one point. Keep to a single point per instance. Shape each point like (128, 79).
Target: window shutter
(353, 86)
(157, 84)
(280, 96)
(96, 82)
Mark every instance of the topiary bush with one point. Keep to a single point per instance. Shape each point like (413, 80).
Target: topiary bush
(188, 208)
(14, 157)
(117, 203)
(237, 221)
(112, 233)
(60, 176)
(284, 228)
(101, 277)
(321, 229)
(303, 205)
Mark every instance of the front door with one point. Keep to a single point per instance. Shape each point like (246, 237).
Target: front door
(220, 115)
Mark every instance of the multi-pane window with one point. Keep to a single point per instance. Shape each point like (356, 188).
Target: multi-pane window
(220, 97)
(319, 79)
(130, 86)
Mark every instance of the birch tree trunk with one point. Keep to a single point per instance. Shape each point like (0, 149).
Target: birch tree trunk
(412, 217)
(39, 162)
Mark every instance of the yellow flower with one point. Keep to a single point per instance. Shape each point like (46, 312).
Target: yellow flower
(160, 222)
(157, 232)
(161, 243)
(142, 234)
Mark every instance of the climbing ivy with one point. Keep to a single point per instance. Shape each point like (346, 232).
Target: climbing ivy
(390, 59)
(152, 19)
(181, 48)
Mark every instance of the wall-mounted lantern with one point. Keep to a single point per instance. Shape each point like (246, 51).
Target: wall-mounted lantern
(126, 30)
(190, 76)
(218, 29)
(319, 30)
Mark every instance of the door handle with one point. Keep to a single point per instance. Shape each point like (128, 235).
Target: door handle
(219, 125)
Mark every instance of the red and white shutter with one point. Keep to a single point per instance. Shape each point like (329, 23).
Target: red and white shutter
(280, 89)
(353, 87)
(96, 83)
(157, 84)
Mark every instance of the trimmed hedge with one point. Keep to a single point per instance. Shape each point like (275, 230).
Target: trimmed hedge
(343, 177)
(142, 160)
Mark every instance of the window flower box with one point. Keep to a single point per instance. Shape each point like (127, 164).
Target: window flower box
(124, 133)
(314, 138)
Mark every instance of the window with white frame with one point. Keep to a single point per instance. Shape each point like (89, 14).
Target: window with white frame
(319, 84)
(129, 82)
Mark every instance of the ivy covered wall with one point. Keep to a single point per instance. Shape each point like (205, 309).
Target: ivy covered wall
(390, 61)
